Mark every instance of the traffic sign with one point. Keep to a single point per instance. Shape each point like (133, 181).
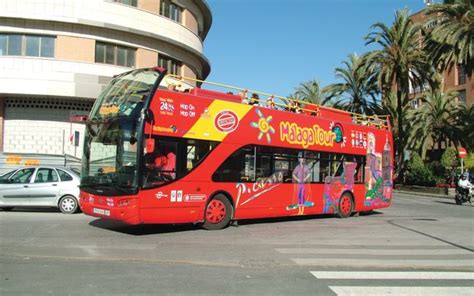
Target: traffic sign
(462, 153)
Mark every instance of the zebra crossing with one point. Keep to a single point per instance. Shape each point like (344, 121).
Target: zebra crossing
(388, 270)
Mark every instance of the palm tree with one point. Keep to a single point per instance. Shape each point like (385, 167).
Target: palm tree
(311, 92)
(463, 126)
(434, 120)
(400, 61)
(451, 41)
(358, 91)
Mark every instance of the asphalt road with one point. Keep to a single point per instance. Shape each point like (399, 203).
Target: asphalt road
(419, 246)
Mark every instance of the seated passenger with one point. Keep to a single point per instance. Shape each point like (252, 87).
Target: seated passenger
(254, 100)
(271, 103)
(243, 97)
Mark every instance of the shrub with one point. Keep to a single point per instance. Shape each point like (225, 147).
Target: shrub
(420, 176)
(418, 173)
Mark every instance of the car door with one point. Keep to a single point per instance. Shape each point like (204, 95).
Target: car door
(44, 189)
(16, 191)
(68, 185)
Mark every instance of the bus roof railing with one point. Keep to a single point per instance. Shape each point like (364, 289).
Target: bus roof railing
(377, 121)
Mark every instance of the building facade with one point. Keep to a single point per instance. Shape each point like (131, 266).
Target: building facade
(57, 55)
(455, 78)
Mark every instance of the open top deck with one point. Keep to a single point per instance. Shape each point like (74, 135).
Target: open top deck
(262, 99)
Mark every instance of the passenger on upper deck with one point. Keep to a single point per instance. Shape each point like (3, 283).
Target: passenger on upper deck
(171, 87)
(271, 103)
(254, 100)
(243, 97)
(292, 105)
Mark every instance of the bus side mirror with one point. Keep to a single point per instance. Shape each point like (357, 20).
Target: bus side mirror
(149, 117)
(150, 145)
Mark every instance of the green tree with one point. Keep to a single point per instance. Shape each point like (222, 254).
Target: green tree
(451, 40)
(399, 61)
(434, 120)
(449, 160)
(418, 173)
(464, 126)
(311, 92)
(358, 90)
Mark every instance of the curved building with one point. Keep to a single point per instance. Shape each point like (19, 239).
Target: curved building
(56, 56)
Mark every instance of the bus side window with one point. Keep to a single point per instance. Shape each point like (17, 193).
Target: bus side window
(239, 167)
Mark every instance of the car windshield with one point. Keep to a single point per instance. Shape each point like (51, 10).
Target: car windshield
(110, 154)
(125, 95)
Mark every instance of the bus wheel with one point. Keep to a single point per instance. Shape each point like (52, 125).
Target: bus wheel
(346, 205)
(218, 213)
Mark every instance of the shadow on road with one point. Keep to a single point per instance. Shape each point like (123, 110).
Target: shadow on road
(150, 229)
(140, 230)
(452, 203)
(33, 210)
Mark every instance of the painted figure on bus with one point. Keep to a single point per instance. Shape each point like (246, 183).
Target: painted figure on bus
(335, 186)
(378, 173)
(301, 176)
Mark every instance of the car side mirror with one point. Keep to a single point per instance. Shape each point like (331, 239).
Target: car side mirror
(150, 145)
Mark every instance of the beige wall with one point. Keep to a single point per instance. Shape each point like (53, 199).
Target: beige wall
(75, 49)
(190, 21)
(149, 5)
(146, 58)
(187, 72)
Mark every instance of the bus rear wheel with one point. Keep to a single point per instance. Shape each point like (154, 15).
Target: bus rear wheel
(345, 206)
(218, 213)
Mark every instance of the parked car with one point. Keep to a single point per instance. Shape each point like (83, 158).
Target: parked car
(40, 187)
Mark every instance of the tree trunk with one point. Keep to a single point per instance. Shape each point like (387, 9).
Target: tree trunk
(401, 125)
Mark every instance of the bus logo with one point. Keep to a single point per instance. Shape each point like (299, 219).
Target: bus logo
(226, 121)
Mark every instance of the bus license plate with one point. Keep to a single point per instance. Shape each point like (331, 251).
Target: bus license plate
(101, 211)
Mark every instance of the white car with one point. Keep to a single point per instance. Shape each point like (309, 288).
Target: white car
(40, 187)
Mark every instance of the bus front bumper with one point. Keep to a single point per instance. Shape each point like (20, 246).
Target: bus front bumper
(121, 210)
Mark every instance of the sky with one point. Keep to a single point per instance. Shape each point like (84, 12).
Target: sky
(274, 45)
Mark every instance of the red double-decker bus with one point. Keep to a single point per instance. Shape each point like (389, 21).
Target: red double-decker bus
(160, 150)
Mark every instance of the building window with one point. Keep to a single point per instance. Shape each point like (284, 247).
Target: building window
(114, 54)
(127, 2)
(461, 74)
(27, 45)
(462, 96)
(171, 10)
(173, 66)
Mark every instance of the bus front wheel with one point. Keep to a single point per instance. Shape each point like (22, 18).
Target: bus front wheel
(346, 205)
(218, 213)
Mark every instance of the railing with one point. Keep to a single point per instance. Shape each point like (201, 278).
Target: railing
(10, 161)
(176, 82)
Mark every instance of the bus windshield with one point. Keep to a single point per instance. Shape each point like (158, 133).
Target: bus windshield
(110, 157)
(125, 95)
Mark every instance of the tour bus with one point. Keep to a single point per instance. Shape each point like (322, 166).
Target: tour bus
(161, 149)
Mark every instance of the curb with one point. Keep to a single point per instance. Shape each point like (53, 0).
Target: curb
(423, 194)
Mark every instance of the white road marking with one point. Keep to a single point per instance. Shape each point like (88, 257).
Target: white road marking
(393, 263)
(409, 291)
(398, 275)
(362, 251)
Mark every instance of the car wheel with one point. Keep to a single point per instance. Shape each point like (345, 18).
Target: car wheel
(218, 213)
(6, 209)
(68, 204)
(345, 206)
